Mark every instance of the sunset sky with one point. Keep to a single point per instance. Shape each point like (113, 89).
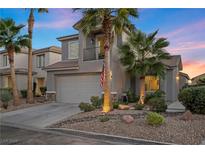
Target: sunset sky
(184, 28)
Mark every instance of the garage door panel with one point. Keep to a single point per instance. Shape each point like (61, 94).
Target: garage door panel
(77, 88)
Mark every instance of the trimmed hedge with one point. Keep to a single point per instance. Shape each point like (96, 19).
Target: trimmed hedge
(193, 99)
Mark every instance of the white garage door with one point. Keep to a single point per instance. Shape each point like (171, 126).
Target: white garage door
(77, 88)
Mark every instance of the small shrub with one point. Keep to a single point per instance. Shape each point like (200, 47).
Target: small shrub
(154, 118)
(96, 101)
(43, 90)
(131, 96)
(86, 107)
(5, 98)
(115, 105)
(139, 106)
(104, 118)
(158, 93)
(157, 104)
(24, 93)
(193, 98)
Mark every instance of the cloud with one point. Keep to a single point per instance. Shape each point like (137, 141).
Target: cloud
(187, 29)
(193, 67)
(59, 18)
(188, 46)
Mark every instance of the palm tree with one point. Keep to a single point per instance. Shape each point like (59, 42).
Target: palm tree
(12, 41)
(112, 21)
(30, 32)
(142, 55)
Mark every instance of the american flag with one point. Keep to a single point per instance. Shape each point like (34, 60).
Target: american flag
(102, 76)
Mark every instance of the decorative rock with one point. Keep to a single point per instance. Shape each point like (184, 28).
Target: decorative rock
(187, 116)
(128, 119)
(132, 108)
(123, 107)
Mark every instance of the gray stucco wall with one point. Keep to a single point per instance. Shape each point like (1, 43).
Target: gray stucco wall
(182, 81)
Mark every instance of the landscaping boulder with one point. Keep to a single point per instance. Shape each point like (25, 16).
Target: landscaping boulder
(187, 116)
(128, 119)
(124, 107)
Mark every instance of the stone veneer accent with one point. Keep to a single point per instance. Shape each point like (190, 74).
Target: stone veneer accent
(51, 96)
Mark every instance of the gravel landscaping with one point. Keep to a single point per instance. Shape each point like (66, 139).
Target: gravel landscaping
(173, 130)
(11, 107)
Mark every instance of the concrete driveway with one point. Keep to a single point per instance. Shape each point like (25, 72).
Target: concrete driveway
(40, 116)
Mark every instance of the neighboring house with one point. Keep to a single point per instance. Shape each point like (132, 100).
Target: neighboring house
(41, 58)
(184, 79)
(196, 79)
(77, 77)
(21, 64)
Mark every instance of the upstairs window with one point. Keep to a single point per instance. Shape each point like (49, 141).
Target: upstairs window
(40, 61)
(73, 48)
(5, 60)
(151, 83)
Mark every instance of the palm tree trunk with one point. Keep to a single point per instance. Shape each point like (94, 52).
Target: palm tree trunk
(142, 90)
(16, 100)
(107, 104)
(30, 32)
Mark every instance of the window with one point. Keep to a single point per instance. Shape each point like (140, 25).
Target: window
(40, 61)
(5, 60)
(100, 45)
(151, 83)
(73, 50)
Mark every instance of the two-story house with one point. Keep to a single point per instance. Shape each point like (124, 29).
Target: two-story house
(41, 58)
(21, 69)
(77, 77)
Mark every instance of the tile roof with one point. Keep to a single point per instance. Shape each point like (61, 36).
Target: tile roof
(65, 64)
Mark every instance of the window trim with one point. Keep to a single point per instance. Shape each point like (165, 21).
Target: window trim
(38, 65)
(4, 65)
(69, 53)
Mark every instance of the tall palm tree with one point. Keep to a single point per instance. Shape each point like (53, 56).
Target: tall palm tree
(12, 41)
(113, 21)
(142, 55)
(30, 32)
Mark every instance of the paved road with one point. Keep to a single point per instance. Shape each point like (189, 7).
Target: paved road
(11, 135)
(40, 116)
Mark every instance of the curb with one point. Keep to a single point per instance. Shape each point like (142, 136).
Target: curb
(113, 138)
(92, 135)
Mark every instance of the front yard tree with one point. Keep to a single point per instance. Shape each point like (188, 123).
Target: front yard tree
(142, 55)
(12, 41)
(113, 21)
(30, 32)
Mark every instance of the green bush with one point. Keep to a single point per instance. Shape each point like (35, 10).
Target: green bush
(154, 118)
(193, 99)
(158, 93)
(132, 98)
(2, 90)
(115, 105)
(96, 101)
(104, 118)
(86, 107)
(157, 104)
(43, 90)
(139, 106)
(24, 93)
(5, 98)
